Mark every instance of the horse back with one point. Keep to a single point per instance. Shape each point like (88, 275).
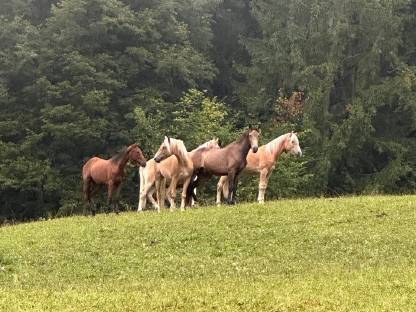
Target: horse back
(100, 170)
(260, 160)
(218, 162)
(86, 169)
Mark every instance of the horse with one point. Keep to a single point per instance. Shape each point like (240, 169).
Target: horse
(228, 161)
(97, 171)
(171, 165)
(264, 162)
(172, 162)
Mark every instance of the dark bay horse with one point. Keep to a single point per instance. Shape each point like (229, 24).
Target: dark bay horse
(110, 172)
(228, 161)
(264, 162)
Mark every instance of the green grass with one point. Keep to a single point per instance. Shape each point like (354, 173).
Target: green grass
(346, 254)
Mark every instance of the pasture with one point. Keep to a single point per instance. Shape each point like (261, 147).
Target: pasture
(343, 254)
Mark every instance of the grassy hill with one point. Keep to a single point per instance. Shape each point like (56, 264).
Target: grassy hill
(346, 254)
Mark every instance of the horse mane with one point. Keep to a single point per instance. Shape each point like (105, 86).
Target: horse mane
(274, 144)
(119, 156)
(204, 145)
(179, 147)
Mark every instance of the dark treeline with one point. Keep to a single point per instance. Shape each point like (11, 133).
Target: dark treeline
(80, 78)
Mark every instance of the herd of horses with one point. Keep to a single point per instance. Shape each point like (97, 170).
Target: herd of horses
(173, 166)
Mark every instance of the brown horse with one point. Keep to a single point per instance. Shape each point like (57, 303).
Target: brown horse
(228, 161)
(264, 162)
(110, 172)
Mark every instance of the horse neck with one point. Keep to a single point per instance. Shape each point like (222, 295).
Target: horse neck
(121, 164)
(244, 145)
(277, 146)
(183, 158)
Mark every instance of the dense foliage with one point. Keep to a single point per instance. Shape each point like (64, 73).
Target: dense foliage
(86, 77)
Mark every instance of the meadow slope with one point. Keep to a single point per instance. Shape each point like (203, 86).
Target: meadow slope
(344, 254)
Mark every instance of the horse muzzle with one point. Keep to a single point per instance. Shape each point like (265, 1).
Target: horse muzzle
(158, 159)
(255, 149)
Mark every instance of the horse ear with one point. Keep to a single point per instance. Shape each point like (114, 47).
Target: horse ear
(250, 127)
(259, 131)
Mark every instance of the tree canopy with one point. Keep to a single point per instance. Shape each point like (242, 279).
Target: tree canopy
(80, 78)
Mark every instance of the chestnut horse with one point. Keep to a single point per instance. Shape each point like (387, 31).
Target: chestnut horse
(228, 161)
(110, 172)
(264, 162)
(172, 162)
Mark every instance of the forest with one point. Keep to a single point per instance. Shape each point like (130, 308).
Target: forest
(80, 78)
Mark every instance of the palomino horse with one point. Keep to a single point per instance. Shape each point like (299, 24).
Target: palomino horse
(171, 165)
(176, 167)
(263, 162)
(110, 172)
(228, 161)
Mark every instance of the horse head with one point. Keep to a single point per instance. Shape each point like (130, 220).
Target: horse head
(136, 155)
(164, 150)
(292, 144)
(253, 137)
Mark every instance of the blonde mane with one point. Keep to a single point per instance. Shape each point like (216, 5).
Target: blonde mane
(207, 144)
(273, 145)
(178, 148)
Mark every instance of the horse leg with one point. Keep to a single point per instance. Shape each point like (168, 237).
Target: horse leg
(231, 179)
(263, 181)
(162, 193)
(171, 193)
(235, 186)
(87, 190)
(90, 188)
(221, 189)
(160, 185)
(184, 192)
(151, 198)
(193, 199)
(111, 196)
(143, 196)
(94, 188)
(191, 191)
(116, 197)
